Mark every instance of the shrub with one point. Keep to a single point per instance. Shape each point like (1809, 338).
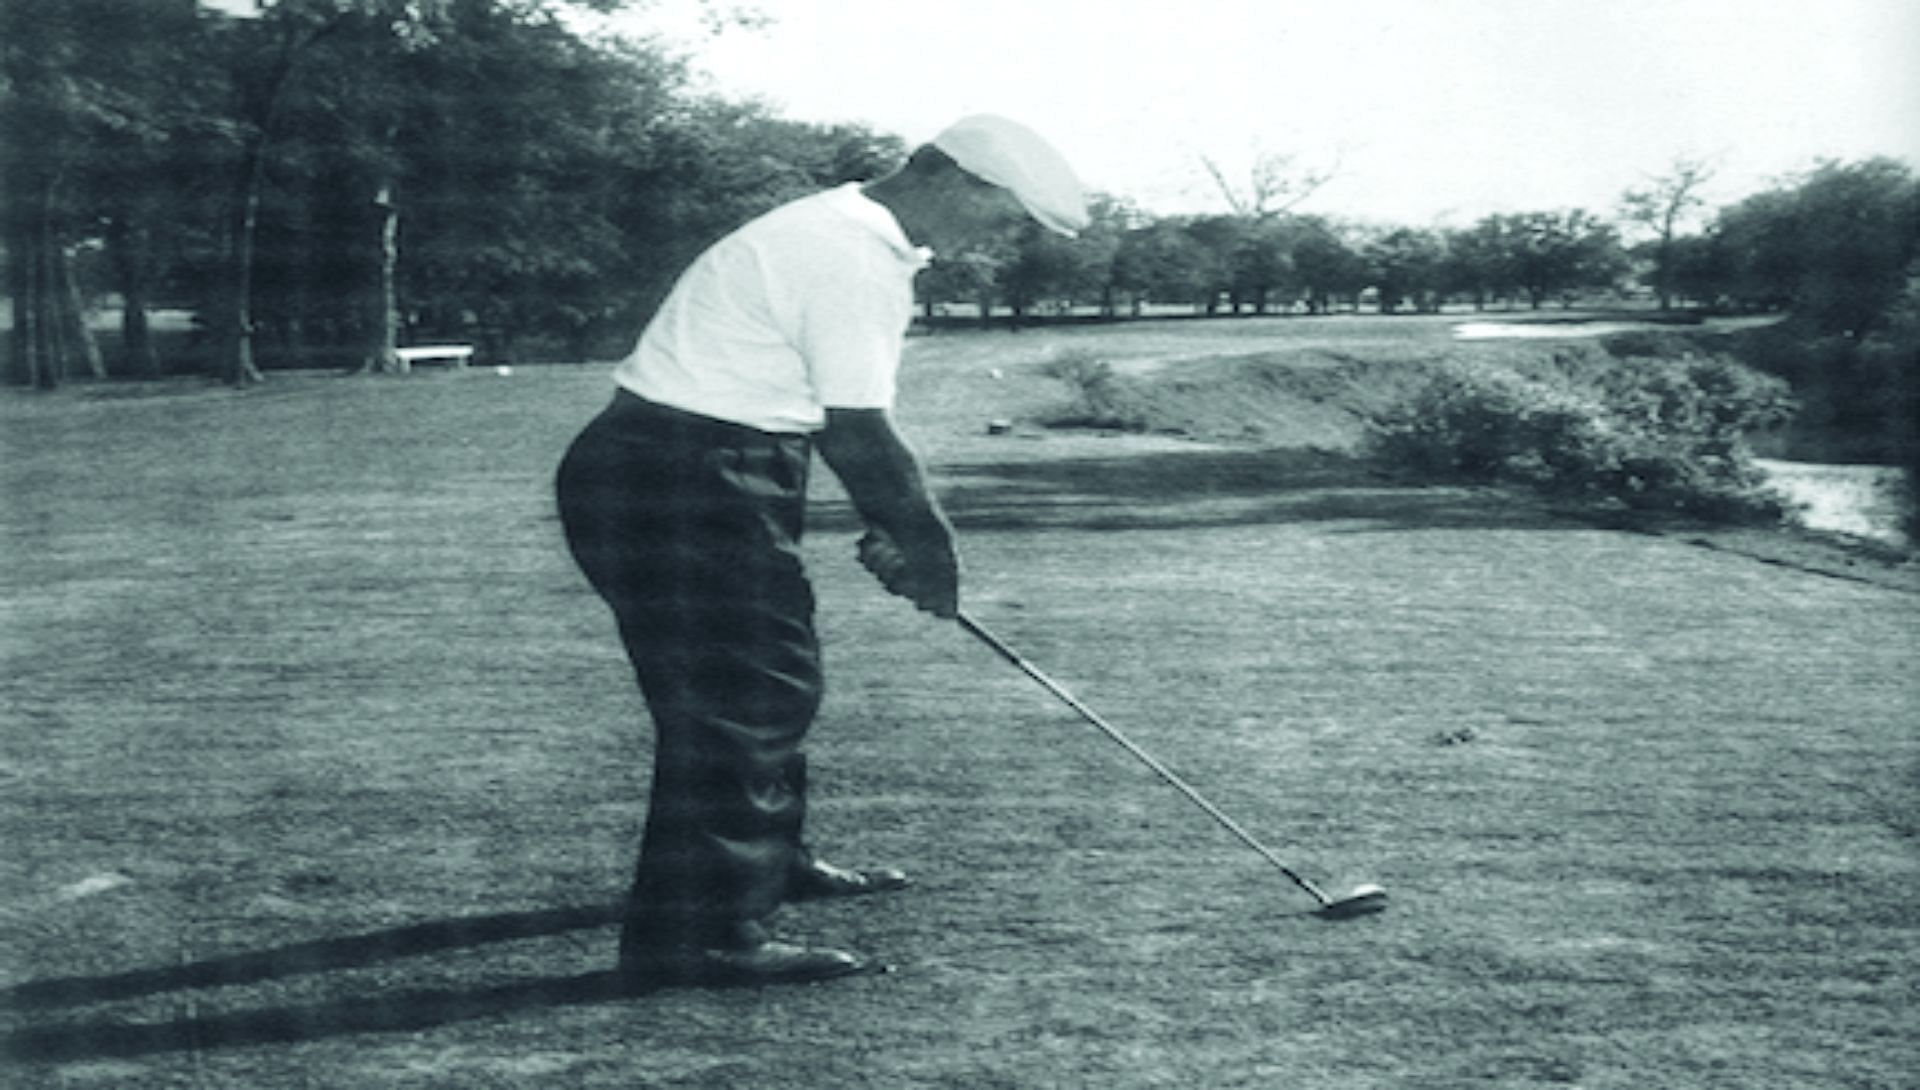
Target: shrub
(1712, 403)
(1850, 390)
(1099, 398)
(1481, 425)
(1652, 343)
(1892, 353)
(1649, 434)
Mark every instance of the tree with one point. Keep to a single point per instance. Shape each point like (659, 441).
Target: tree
(1253, 249)
(1554, 254)
(972, 276)
(1479, 262)
(1097, 250)
(1276, 184)
(1755, 251)
(542, 181)
(1406, 266)
(377, 44)
(1660, 207)
(342, 180)
(139, 191)
(260, 55)
(1159, 262)
(1837, 246)
(1262, 264)
(534, 181)
(1030, 267)
(1856, 231)
(1218, 240)
(1044, 267)
(540, 185)
(1699, 268)
(1326, 264)
(65, 69)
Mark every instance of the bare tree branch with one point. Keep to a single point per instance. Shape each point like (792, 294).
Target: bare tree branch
(1275, 186)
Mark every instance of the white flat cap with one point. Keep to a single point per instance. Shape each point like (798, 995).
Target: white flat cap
(1015, 158)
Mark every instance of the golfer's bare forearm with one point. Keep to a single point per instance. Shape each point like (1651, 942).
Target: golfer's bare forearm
(882, 477)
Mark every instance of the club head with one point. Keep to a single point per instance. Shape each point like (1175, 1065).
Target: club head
(1363, 901)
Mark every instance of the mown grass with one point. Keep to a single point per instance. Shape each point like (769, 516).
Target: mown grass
(322, 768)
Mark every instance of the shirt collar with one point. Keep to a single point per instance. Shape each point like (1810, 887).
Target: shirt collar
(879, 219)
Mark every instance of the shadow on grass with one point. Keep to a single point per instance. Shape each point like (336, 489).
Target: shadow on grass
(353, 1014)
(1211, 488)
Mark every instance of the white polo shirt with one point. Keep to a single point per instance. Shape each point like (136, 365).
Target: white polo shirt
(802, 309)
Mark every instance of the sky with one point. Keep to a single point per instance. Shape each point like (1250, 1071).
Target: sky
(1430, 112)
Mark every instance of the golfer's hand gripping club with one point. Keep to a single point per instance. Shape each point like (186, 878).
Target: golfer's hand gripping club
(929, 577)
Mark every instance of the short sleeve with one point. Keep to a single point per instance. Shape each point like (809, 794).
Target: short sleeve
(853, 316)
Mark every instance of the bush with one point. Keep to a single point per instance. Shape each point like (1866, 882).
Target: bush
(1850, 390)
(1649, 434)
(1099, 398)
(1892, 354)
(1861, 396)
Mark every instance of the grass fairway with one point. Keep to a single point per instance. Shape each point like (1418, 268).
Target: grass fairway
(320, 766)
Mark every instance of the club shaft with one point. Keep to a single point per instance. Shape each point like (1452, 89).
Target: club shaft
(1000, 647)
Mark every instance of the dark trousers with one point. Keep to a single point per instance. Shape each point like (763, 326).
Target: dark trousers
(690, 529)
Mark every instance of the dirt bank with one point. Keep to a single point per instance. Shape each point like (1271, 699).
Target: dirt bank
(1319, 397)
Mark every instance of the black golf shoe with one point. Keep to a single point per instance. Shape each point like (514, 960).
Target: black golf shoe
(816, 880)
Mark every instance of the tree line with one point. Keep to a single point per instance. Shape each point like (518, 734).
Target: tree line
(334, 178)
(1837, 245)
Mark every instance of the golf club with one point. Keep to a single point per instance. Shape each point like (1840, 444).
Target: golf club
(1361, 901)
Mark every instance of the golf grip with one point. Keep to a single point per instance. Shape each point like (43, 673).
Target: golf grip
(1000, 647)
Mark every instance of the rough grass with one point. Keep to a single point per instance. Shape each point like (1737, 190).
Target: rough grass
(321, 768)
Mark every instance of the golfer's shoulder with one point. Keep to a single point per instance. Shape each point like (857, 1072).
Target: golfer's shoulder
(821, 222)
(817, 241)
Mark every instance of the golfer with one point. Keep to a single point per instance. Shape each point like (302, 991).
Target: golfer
(684, 502)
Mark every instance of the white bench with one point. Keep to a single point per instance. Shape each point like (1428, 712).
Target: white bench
(456, 355)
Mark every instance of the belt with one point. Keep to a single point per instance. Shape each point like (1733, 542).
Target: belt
(630, 410)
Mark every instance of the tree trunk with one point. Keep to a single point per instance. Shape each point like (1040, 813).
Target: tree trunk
(379, 307)
(1663, 269)
(85, 348)
(260, 104)
(127, 247)
(234, 322)
(49, 330)
(50, 334)
(138, 357)
(24, 356)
